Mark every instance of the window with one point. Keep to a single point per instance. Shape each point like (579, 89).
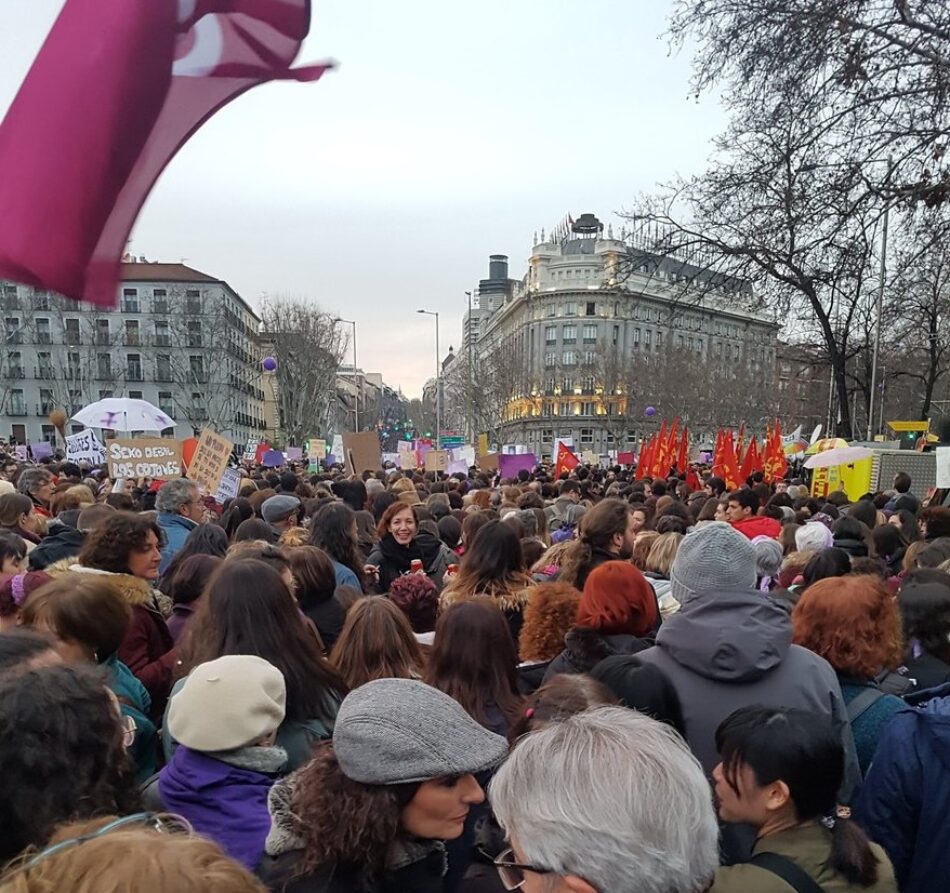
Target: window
(44, 365)
(616, 335)
(159, 301)
(71, 333)
(130, 300)
(587, 408)
(550, 334)
(735, 349)
(13, 333)
(133, 367)
(549, 386)
(679, 341)
(163, 336)
(567, 384)
(587, 435)
(564, 408)
(163, 367)
(569, 358)
(590, 333)
(547, 435)
(132, 333)
(75, 400)
(588, 357)
(47, 402)
(588, 384)
(41, 300)
(550, 311)
(15, 365)
(689, 342)
(11, 298)
(659, 340)
(165, 403)
(42, 332)
(550, 360)
(17, 402)
(48, 433)
(699, 344)
(636, 339)
(104, 366)
(73, 368)
(569, 335)
(102, 331)
(647, 339)
(193, 302)
(196, 366)
(194, 334)
(570, 309)
(719, 349)
(135, 395)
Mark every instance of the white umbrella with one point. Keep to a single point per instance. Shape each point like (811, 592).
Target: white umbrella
(123, 414)
(838, 456)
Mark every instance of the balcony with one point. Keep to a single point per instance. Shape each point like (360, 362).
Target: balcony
(134, 373)
(103, 339)
(163, 375)
(44, 373)
(72, 338)
(193, 308)
(15, 372)
(104, 374)
(42, 409)
(44, 338)
(14, 337)
(17, 408)
(160, 307)
(132, 339)
(162, 341)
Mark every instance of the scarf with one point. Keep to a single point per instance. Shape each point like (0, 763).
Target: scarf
(422, 547)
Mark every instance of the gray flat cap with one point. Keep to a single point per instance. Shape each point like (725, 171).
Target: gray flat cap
(398, 731)
(279, 507)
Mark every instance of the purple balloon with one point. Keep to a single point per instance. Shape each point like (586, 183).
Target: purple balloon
(268, 364)
(650, 411)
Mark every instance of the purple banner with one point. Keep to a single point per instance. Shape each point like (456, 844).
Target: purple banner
(272, 459)
(509, 466)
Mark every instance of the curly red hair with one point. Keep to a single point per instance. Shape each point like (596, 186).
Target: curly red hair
(852, 622)
(548, 615)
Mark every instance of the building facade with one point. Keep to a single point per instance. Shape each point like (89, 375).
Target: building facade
(181, 339)
(597, 330)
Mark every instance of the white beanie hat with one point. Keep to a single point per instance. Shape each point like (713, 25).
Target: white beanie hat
(227, 703)
(813, 537)
(712, 557)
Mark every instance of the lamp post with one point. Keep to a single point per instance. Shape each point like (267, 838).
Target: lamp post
(470, 349)
(438, 381)
(356, 380)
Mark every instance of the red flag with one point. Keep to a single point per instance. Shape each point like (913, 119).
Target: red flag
(730, 465)
(565, 460)
(113, 94)
(775, 462)
(682, 458)
(740, 439)
(717, 454)
(658, 457)
(750, 461)
(259, 452)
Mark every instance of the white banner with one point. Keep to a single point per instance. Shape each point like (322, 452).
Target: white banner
(229, 485)
(943, 467)
(85, 447)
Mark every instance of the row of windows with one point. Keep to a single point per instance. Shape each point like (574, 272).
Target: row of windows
(570, 308)
(72, 332)
(11, 299)
(568, 358)
(569, 334)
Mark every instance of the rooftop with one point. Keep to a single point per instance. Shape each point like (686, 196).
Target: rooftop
(159, 272)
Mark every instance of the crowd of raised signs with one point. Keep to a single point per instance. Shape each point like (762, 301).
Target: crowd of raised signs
(411, 682)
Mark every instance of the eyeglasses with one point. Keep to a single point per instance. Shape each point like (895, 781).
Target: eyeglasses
(512, 873)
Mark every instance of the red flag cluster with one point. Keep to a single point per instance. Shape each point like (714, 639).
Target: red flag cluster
(734, 466)
(663, 450)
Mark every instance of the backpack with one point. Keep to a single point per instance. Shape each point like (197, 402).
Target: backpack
(885, 683)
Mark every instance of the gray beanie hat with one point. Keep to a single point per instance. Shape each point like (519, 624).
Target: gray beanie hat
(712, 557)
(398, 731)
(279, 507)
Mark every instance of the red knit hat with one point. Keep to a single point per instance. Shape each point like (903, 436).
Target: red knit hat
(617, 599)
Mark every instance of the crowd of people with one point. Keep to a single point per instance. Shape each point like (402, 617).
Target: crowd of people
(410, 682)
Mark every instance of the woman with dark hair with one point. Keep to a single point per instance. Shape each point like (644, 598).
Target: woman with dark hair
(89, 617)
(416, 596)
(17, 516)
(474, 660)
(400, 544)
(373, 809)
(906, 522)
(890, 546)
(186, 588)
(641, 687)
(562, 696)
(63, 755)
(493, 566)
(127, 548)
(853, 537)
(605, 534)
(253, 529)
(852, 622)
(315, 584)
(333, 529)
(780, 772)
(239, 510)
(247, 609)
(924, 603)
(826, 563)
(616, 615)
(205, 539)
(376, 642)
(12, 553)
(933, 522)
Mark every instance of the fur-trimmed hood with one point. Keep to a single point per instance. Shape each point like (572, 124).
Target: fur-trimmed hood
(134, 590)
(511, 599)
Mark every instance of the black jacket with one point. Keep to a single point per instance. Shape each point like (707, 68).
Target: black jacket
(585, 648)
(65, 543)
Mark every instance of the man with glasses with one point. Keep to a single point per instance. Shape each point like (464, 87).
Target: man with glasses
(607, 801)
(180, 510)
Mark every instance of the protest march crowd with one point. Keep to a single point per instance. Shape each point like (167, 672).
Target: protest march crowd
(576, 679)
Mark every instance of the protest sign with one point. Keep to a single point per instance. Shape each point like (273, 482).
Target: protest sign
(510, 465)
(140, 457)
(209, 461)
(488, 462)
(20, 452)
(250, 449)
(294, 454)
(229, 485)
(482, 446)
(361, 451)
(272, 458)
(316, 449)
(943, 467)
(437, 460)
(41, 449)
(85, 447)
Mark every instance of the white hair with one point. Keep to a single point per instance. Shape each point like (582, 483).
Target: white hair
(174, 493)
(612, 797)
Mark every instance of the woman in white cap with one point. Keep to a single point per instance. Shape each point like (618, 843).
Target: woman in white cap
(372, 809)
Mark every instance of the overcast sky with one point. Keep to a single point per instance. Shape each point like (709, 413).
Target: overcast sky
(450, 131)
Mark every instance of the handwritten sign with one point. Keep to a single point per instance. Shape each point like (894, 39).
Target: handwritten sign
(250, 449)
(943, 467)
(316, 449)
(229, 486)
(20, 452)
(139, 457)
(210, 460)
(41, 449)
(437, 460)
(85, 447)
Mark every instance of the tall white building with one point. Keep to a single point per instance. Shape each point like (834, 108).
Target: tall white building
(594, 330)
(179, 338)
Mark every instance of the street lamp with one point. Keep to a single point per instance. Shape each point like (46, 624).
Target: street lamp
(438, 381)
(356, 380)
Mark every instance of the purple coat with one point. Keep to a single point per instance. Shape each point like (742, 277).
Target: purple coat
(223, 802)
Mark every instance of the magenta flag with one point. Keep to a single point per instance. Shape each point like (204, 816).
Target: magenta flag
(115, 91)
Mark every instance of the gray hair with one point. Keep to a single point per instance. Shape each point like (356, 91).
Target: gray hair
(613, 797)
(32, 478)
(172, 494)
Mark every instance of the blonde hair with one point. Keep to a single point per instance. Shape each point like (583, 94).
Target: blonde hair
(662, 552)
(125, 860)
(294, 536)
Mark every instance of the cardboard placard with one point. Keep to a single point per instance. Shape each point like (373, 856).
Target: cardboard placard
(481, 445)
(437, 460)
(140, 457)
(488, 462)
(209, 461)
(85, 447)
(362, 452)
(229, 486)
(316, 448)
